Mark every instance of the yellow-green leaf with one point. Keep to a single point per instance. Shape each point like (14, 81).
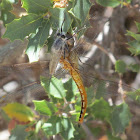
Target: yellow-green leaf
(19, 112)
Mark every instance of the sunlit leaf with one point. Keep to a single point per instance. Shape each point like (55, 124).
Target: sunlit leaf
(54, 87)
(76, 22)
(72, 89)
(44, 107)
(68, 127)
(120, 118)
(38, 126)
(120, 66)
(53, 126)
(36, 6)
(19, 112)
(81, 10)
(37, 41)
(56, 125)
(22, 27)
(57, 18)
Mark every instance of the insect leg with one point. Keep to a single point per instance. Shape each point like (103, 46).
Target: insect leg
(64, 53)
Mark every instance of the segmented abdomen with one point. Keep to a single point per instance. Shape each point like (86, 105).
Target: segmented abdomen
(78, 80)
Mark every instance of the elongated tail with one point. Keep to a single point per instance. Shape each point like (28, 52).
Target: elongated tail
(78, 80)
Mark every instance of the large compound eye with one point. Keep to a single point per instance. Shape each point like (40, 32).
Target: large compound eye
(63, 36)
(58, 34)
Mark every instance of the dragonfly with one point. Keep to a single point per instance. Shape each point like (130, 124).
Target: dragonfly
(63, 51)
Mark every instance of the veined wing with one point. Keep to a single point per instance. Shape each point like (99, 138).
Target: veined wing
(17, 80)
(60, 48)
(91, 76)
(55, 57)
(101, 87)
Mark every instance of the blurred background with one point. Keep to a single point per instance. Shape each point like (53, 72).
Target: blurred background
(103, 43)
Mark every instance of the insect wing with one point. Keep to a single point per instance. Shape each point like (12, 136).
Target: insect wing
(22, 80)
(54, 62)
(57, 51)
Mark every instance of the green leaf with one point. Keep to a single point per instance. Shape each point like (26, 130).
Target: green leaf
(78, 109)
(6, 15)
(120, 118)
(71, 88)
(20, 28)
(135, 95)
(81, 10)
(68, 127)
(57, 18)
(37, 41)
(57, 125)
(76, 22)
(101, 109)
(19, 112)
(19, 133)
(134, 67)
(36, 6)
(120, 66)
(109, 3)
(46, 108)
(135, 47)
(138, 26)
(54, 87)
(53, 126)
(38, 126)
(134, 35)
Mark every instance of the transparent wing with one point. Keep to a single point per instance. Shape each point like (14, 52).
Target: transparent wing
(21, 79)
(54, 61)
(57, 50)
(105, 84)
(26, 78)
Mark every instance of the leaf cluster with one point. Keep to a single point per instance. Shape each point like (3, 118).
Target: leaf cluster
(59, 115)
(41, 21)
